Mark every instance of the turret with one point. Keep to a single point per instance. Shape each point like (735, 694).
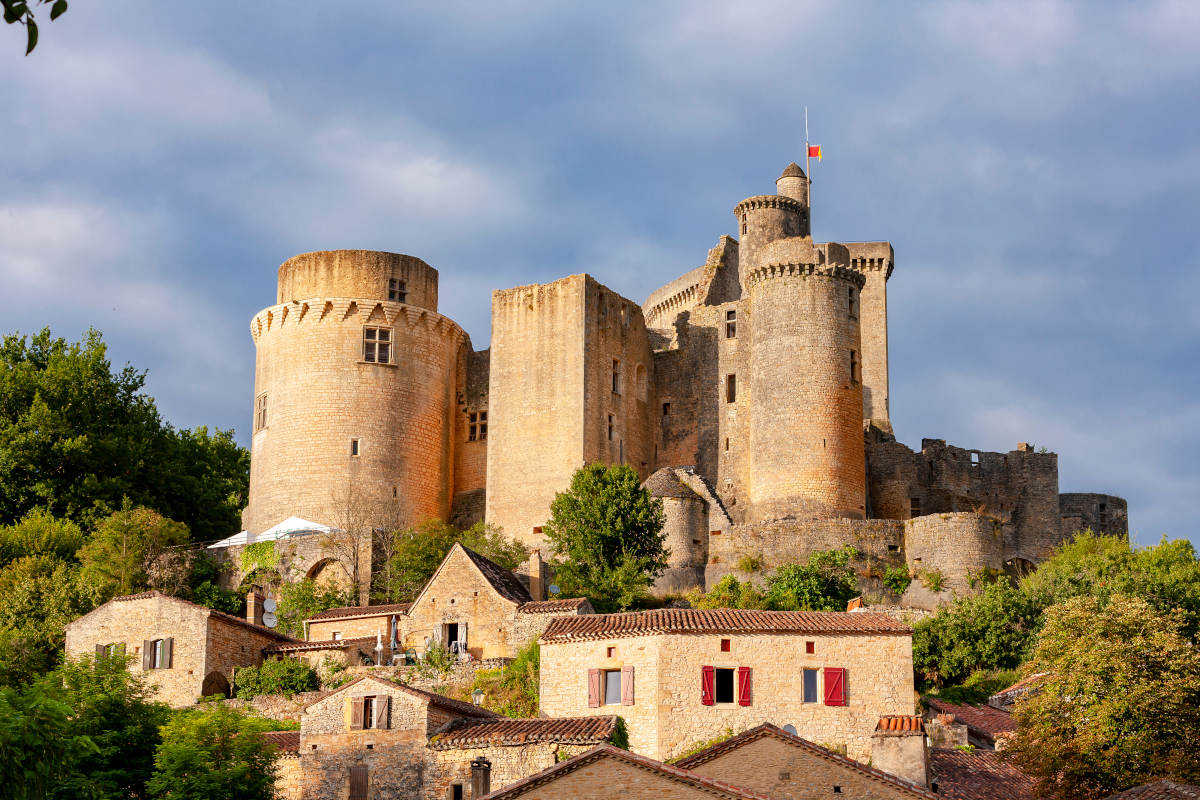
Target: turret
(793, 183)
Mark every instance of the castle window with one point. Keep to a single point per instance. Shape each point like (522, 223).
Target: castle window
(666, 409)
(914, 506)
(610, 427)
(260, 412)
(853, 309)
(616, 377)
(731, 324)
(853, 366)
(730, 388)
(974, 459)
(743, 225)
(397, 291)
(477, 426)
(457, 792)
(377, 345)
(354, 447)
(640, 373)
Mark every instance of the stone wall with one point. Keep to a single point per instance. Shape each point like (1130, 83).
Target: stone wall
(351, 628)
(687, 532)
(959, 546)
(875, 260)
(289, 780)
(510, 764)
(1101, 513)
(667, 717)
(609, 777)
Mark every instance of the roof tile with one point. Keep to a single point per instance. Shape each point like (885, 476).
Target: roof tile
(350, 612)
(718, 620)
(554, 606)
(983, 721)
(500, 578)
(978, 775)
(504, 731)
(1160, 790)
(287, 743)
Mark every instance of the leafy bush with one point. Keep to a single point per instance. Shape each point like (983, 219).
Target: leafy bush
(932, 579)
(749, 563)
(825, 582)
(897, 579)
(704, 744)
(303, 599)
(437, 661)
(286, 676)
(512, 690)
(978, 687)
(211, 752)
(209, 595)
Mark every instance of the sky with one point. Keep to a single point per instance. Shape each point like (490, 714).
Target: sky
(1035, 165)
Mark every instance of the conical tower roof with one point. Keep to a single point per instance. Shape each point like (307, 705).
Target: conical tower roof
(665, 483)
(792, 170)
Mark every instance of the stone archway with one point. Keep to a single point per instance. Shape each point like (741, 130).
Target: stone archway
(1019, 567)
(214, 683)
(329, 573)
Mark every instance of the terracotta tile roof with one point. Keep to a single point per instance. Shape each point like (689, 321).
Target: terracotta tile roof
(1160, 790)
(1009, 695)
(464, 733)
(287, 743)
(502, 580)
(221, 615)
(718, 620)
(554, 606)
(351, 612)
(977, 775)
(982, 721)
(767, 729)
(328, 644)
(900, 725)
(445, 703)
(717, 788)
(138, 596)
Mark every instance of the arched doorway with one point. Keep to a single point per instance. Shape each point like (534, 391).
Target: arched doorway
(328, 573)
(214, 683)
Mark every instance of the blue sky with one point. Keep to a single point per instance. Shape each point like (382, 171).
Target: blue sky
(1036, 166)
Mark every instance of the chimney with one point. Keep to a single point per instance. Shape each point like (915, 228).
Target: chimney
(898, 747)
(481, 777)
(537, 585)
(254, 608)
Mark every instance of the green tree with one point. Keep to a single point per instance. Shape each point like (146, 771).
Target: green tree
(40, 751)
(20, 11)
(40, 533)
(39, 595)
(728, 592)
(824, 582)
(112, 707)
(411, 556)
(214, 753)
(300, 600)
(606, 534)
(135, 549)
(1120, 704)
(77, 437)
(276, 676)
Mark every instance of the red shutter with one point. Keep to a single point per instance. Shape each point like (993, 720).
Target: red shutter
(356, 713)
(708, 684)
(593, 688)
(744, 693)
(626, 686)
(835, 686)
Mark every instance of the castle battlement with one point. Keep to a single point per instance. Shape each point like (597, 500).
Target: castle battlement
(354, 312)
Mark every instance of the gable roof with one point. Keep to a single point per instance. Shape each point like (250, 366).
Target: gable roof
(977, 775)
(212, 613)
(501, 579)
(1160, 790)
(718, 620)
(462, 733)
(668, 772)
(287, 743)
(555, 606)
(444, 703)
(353, 612)
(1009, 695)
(768, 730)
(984, 722)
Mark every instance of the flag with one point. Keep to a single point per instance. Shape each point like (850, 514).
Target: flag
(814, 151)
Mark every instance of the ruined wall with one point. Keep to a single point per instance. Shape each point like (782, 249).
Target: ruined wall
(1102, 513)
(958, 545)
(321, 395)
(471, 396)
(875, 260)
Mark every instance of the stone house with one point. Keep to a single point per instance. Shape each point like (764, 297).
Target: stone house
(763, 763)
(681, 676)
(374, 738)
(186, 650)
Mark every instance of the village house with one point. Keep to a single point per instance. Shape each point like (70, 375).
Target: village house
(682, 676)
(374, 738)
(186, 651)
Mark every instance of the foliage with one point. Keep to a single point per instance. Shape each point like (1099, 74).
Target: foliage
(39, 595)
(988, 631)
(978, 687)
(512, 690)
(40, 752)
(897, 579)
(112, 707)
(259, 555)
(415, 554)
(437, 661)
(40, 533)
(332, 672)
(286, 676)
(749, 563)
(214, 752)
(20, 11)
(210, 595)
(135, 549)
(825, 582)
(932, 579)
(76, 438)
(620, 736)
(704, 744)
(728, 592)
(606, 533)
(303, 599)
(1120, 704)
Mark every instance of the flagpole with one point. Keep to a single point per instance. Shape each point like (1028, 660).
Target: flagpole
(807, 163)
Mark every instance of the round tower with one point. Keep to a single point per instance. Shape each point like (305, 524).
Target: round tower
(353, 393)
(793, 183)
(685, 524)
(806, 453)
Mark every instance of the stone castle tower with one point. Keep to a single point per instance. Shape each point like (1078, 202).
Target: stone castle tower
(756, 384)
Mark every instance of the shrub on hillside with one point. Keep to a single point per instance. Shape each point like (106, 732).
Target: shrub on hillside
(286, 676)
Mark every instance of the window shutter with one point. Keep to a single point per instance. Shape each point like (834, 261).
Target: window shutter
(627, 686)
(593, 688)
(381, 711)
(99, 650)
(168, 650)
(708, 683)
(146, 645)
(356, 713)
(358, 783)
(744, 693)
(835, 686)
(462, 635)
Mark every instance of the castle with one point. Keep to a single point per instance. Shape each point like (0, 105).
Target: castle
(751, 394)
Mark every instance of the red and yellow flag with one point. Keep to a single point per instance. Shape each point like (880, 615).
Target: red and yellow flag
(814, 151)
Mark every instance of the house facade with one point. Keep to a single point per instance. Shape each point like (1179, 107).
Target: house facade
(682, 676)
(186, 651)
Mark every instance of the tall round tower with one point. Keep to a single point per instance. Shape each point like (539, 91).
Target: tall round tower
(806, 454)
(354, 384)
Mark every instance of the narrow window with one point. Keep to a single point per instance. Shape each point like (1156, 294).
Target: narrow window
(724, 645)
(974, 459)
(354, 447)
(914, 507)
(853, 366)
(337, 636)
(810, 686)
(837, 790)
(724, 685)
(369, 712)
(731, 324)
(377, 345)
(397, 291)
(730, 388)
(810, 647)
(611, 652)
(260, 412)
(666, 409)
(472, 426)
(616, 377)
(610, 427)
(612, 687)
(726, 444)
(743, 225)
(852, 310)
(482, 426)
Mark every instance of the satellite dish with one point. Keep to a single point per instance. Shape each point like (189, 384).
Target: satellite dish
(554, 588)
(269, 605)
(270, 620)
(790, 729)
